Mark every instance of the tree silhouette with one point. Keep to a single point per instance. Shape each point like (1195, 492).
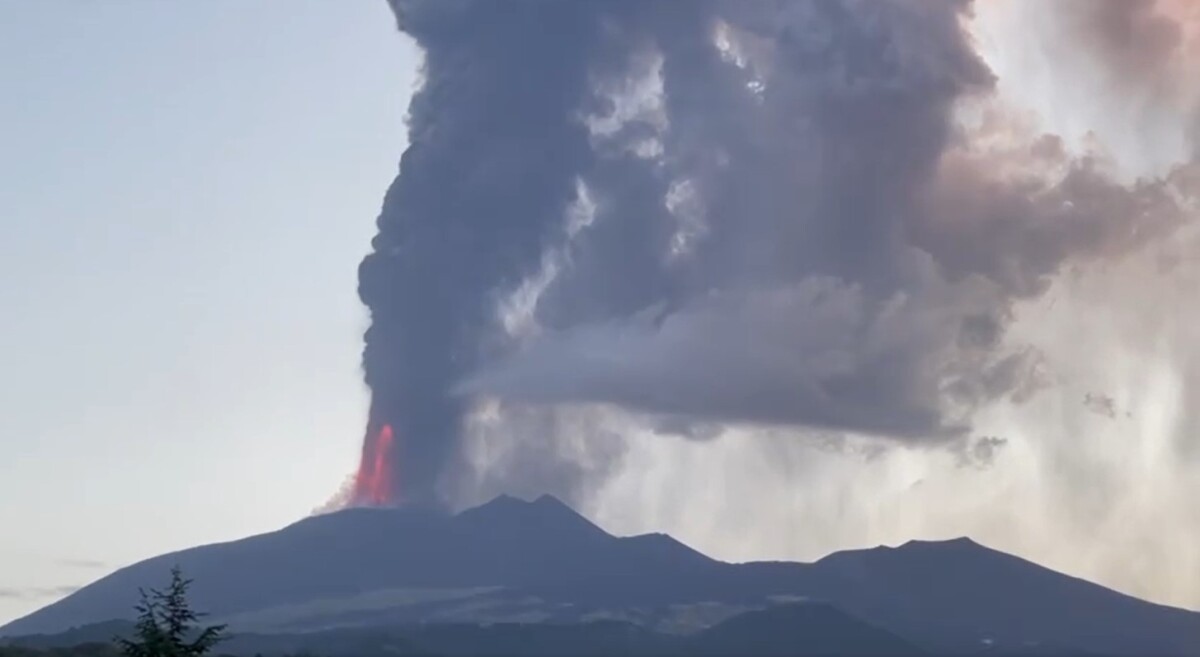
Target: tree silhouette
(167, 626)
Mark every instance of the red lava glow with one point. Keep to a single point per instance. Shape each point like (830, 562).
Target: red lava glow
(374, 484)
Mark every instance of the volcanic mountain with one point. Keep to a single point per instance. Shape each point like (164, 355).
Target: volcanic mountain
(541, 562)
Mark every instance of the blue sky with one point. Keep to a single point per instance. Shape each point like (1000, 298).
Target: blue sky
(187, 189)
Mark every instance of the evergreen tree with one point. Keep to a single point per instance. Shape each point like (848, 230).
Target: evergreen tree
(167, 626)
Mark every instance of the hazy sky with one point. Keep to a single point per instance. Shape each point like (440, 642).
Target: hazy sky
(187, 189)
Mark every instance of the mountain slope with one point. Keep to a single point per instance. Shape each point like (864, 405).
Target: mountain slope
(953, 593)
(541, 548)
(798, 629)
(795, 630)
(511, 561)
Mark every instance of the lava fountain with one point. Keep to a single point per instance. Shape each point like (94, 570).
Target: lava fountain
(374, 484)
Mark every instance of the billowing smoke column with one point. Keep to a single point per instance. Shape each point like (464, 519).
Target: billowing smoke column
(494, 152)
(759, 211)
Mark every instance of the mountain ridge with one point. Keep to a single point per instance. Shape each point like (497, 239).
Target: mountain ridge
(511, 560)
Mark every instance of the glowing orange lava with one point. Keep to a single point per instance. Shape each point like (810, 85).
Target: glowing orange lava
(374, 485)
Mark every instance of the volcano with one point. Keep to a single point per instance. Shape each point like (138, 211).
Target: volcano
(541, 562)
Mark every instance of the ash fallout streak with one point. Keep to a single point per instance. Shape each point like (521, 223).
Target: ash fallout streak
(792, 213)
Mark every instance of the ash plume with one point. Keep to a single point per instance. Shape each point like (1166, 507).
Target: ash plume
(494, 153)
(721, 211)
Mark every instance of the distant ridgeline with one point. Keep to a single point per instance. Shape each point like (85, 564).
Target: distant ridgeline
(535, 578)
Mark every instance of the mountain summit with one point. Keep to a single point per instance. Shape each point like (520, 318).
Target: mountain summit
(540, 561)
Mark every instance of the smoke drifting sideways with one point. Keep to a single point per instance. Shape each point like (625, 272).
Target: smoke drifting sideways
(766, 212)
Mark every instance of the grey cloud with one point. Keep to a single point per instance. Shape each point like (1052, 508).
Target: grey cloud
(818, 354)
(1101, 405)
(794, 230)
(531, 450)
(688, 428)
(1140, 41)
(1131, 64)
(90, 564)
(860, 254)
(36, 592)
(1021, 229)
(979, 452)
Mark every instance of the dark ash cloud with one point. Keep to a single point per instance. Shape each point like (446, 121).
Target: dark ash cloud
(859, 252)
(760, 211)
(495, 151)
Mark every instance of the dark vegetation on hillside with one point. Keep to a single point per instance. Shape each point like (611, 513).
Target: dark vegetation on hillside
(167, 626)
(799, 630)
(81, 650)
